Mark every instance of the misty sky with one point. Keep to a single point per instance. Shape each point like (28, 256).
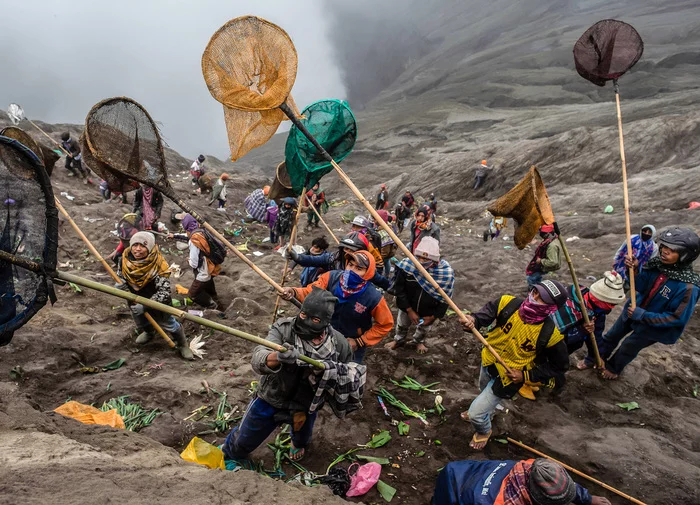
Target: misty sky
(60, 58)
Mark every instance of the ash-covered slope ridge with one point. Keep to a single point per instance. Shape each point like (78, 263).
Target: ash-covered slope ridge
(496, 79)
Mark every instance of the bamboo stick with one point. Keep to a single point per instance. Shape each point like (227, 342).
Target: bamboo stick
(322, 221)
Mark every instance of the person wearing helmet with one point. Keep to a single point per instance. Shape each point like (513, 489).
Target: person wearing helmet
(382, 198)
(667, 291)
(363, 226)
(218, 193)
(423, 226)
(73, 159)
(361, 312)
(327, 261)
(527, 340)
(482, 171)
(255, 203)
(547, 257)
(197, 169)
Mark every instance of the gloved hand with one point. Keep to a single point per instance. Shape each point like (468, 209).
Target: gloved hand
(292, 254)
(137, 309)
(638, 314)
(289, 357)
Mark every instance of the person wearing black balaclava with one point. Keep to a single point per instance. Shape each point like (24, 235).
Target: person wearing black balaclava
(285, 391)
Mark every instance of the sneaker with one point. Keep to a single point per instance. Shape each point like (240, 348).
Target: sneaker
(71, 174)
(221, 209)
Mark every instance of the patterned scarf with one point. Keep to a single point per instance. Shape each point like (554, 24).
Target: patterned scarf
(442, 273)
(540, 252)
(149, 214)
(349, 286)
(676, 272)
(533, 312)
(515, 488)
(138, 273)
(642, 250)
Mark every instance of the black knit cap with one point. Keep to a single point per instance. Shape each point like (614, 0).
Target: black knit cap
(319, 303)
(550, 483)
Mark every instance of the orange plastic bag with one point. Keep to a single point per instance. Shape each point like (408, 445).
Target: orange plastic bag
(88, 414)
(203, 453)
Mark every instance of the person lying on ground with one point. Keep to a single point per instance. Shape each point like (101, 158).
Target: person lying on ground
(328, 261)
(317, 197)
(361, 312)
(422, 226)
(319, 245)
(547, 257)
(145, 273)
(255, 203)
(603, 295)
(74, 162)
(218, 193)
(363, 226)
(290, 391)
(527, 340)
(419, 303)
(206, 254)
(667, 292)
(530, 482)
(148, 204)
(285, 220)
(643, 248)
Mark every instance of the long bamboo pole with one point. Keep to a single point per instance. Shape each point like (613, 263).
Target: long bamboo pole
(343, 176)
(322, 221)
(87, 283)
(625, 193)
(109, 269)
(48, 136)
(577, 472)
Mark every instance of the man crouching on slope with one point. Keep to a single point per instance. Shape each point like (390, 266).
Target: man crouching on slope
(527, 340)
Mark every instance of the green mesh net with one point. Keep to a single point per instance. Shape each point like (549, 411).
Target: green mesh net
(333, 125)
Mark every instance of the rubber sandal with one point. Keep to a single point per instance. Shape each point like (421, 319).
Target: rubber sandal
(479, 438)
(296, 455)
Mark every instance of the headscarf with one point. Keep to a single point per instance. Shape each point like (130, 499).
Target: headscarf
(189, 224)
(352, 285)
(138, 273)
(643, 250)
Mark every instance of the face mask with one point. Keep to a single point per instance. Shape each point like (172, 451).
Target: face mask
(307, 329)
(646, 237)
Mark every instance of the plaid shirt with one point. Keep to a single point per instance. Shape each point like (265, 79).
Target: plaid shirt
(442, 273)
(255, 205)
(342, 385)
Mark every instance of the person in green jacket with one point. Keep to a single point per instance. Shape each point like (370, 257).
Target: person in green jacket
(547, 257)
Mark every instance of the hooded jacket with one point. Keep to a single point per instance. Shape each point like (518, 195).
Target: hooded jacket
(641, 250)
(328, 261)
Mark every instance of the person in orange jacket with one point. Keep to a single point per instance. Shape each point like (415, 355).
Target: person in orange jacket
(361, 312)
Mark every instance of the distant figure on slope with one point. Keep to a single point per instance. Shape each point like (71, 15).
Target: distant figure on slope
(432, 203)
(547, 256)
(667, 291)
(387, 245)
(197, 169)
(271, 219)
(148, 203)
(423, 226)
(73, 159)
(643, 248)
(382, 198)
(482, 172)
(255, 203)
(529, 482)
(497, 224)
(363, 226)
(419, 303)
(285, 220)
(317, 197)
(219, 192)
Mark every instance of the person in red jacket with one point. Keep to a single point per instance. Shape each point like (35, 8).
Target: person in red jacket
(361, 312)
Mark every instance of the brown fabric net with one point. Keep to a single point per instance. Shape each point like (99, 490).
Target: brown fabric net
(250, 66)
(607, 50)
(528, 205)
(122, 135)
(282, 185)
(117, 182)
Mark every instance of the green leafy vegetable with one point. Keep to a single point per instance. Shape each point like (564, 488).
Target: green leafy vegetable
(412, 384)
(371, 459)
(385, 490)
(403, 428)
(114, 365)
(134, 415)
(75, 287)
(628, 406)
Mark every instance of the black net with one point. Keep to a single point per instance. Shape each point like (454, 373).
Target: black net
(121, 134)
(607, 50)
(28, 230)
(116, 181)
(128, 226)
(45, 154)
(332, 124)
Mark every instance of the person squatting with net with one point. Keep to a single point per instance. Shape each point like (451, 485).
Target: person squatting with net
(361, 312)
(527, 340)
(419, 303)
(73, 159)
(292, 392)
(145, 273)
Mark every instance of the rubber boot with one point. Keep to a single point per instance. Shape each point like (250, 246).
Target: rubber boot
(528, 392)
(144, 337)
(182, 346)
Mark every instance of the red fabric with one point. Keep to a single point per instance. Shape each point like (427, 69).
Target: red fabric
(660, 281)
(514, 490)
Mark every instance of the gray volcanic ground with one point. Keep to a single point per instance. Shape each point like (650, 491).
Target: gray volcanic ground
(436, 86)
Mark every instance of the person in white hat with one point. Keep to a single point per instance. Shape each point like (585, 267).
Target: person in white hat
(418, 301)
(600, 299)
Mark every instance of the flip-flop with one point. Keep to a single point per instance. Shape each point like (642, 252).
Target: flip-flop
(295, 454)
(479, 438)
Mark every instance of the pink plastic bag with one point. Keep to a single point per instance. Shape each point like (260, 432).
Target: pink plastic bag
(364, 478)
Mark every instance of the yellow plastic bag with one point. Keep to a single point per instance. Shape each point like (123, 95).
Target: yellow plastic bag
(203, 453)
(88, 414)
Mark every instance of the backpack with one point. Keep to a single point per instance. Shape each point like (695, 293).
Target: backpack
(217, 250)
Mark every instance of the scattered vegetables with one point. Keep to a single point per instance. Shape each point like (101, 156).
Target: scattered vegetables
(371, 459)
(628, 406)
(379, 440)
(412, 384)
(114, 365)
(385, 490)
(134, 415)
(403, 428)
(405, 410)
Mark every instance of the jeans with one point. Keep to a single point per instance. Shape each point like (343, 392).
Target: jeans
(387, 268)
(203, 293)
(221, 203)
(273, 236)
(403, 324)
(165, 321)
(627, 351)
(257, 424)
(533, 279)
(479, 180)
(358, 355)
(483, 406)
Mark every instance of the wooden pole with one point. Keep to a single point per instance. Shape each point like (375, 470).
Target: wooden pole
(125, 295)
(377, 218)
(322, 221)
(584, 310)
(292, 239)
(48, 136)
(577, 472)
(625, 193)
(109, 269)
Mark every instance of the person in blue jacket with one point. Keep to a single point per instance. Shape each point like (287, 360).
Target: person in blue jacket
(533, 481)
(327, 261)
(319, 245)
(667, 290)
